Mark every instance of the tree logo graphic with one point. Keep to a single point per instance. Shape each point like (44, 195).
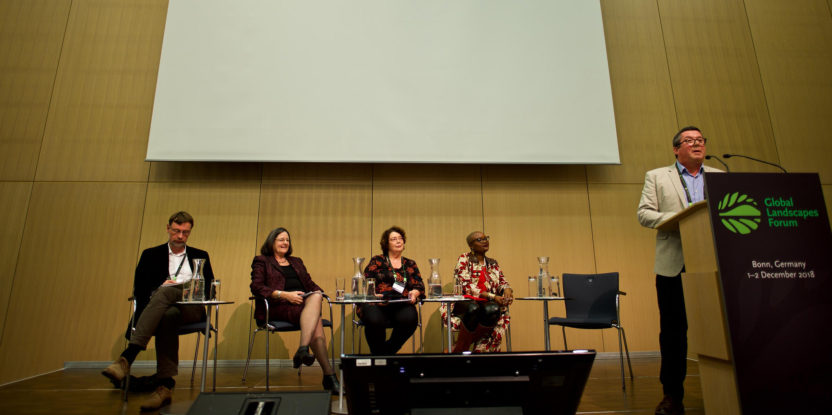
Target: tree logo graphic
(739, 213)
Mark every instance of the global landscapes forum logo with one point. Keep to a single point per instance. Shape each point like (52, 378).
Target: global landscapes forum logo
(741, 214)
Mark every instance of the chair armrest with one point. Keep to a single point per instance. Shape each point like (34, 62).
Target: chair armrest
(621, 293)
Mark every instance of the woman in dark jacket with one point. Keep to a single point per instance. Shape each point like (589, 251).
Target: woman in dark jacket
(282, 279)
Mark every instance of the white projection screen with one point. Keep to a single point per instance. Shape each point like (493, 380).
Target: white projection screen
(414, 81)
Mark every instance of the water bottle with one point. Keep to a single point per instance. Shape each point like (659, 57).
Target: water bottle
(543, 275)
(197, 291)
(434, 282)
(358, 287)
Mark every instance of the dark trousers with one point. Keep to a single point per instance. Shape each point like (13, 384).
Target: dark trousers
(673, 335)
(162, 318)
(403, 318)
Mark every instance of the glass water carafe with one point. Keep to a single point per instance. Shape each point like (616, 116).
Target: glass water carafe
(434, 282)
(197, 283)
(542, 276)
(358, 286)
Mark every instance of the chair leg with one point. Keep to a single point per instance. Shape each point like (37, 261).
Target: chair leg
(621, 350)
(196, 354)
(268, 334)
(563, 329)
(508, 338)
(248, 356)
(216, 335)
(621, 361)
(627, 352)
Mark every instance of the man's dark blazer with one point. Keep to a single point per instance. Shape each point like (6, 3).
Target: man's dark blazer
(152, 271)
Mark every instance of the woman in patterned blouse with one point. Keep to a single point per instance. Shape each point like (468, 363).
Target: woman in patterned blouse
(482, 322)
(396, 277)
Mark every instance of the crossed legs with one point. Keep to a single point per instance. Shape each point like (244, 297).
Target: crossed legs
(312, 331)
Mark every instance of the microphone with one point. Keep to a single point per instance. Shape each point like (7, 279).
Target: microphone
(727, 170)
(757, 160)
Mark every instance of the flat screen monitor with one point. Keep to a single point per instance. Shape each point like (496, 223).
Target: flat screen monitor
(504, 383)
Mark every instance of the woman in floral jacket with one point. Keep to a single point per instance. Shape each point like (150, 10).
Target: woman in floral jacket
(484, 320)
(397, 278)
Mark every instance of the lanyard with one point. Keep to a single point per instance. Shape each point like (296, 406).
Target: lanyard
(685, 183)
(404, 270)
(182, 262)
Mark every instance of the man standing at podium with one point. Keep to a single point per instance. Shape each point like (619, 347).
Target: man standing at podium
(668, 190)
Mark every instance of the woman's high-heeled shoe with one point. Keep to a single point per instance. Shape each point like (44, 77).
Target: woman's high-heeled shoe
(302, 356)
(332, 384)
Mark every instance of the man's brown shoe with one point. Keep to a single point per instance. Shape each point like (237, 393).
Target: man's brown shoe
(117, 371)
(159, 398)
(670, 406)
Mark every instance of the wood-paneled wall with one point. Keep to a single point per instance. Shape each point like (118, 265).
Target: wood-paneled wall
(79, 203)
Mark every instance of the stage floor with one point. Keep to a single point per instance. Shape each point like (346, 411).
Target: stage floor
(85, 391)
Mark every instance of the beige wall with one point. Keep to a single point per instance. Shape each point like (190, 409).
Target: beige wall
(78, 202)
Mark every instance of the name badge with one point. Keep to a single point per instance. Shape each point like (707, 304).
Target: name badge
(398, 286)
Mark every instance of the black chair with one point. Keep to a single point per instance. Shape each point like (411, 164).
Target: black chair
(197, 327)
(273, 326)
(592, 302)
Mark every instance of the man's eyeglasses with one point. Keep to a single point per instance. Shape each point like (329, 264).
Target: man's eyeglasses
(482, 239)
(691, 141)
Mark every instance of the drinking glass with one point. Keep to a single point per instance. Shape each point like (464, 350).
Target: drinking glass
(215, 290)
(458, 289)
(339, 288)
(554, 289)
(371, 289)
(533, 292)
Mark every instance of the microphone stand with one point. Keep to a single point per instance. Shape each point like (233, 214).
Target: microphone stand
(727, 170)
(757, 160)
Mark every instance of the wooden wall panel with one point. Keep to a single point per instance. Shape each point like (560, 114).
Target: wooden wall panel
(327, 210)
(225, 225)
(73, 275)
(204, 172)
(716, 79)
(99, 118)
(533, 211)
(437, 206)
(30, 45)
(15, 202)
(645, 115)
(793, 42)
(623, 245)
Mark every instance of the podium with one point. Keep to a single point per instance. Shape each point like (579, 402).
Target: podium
(758, 293)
